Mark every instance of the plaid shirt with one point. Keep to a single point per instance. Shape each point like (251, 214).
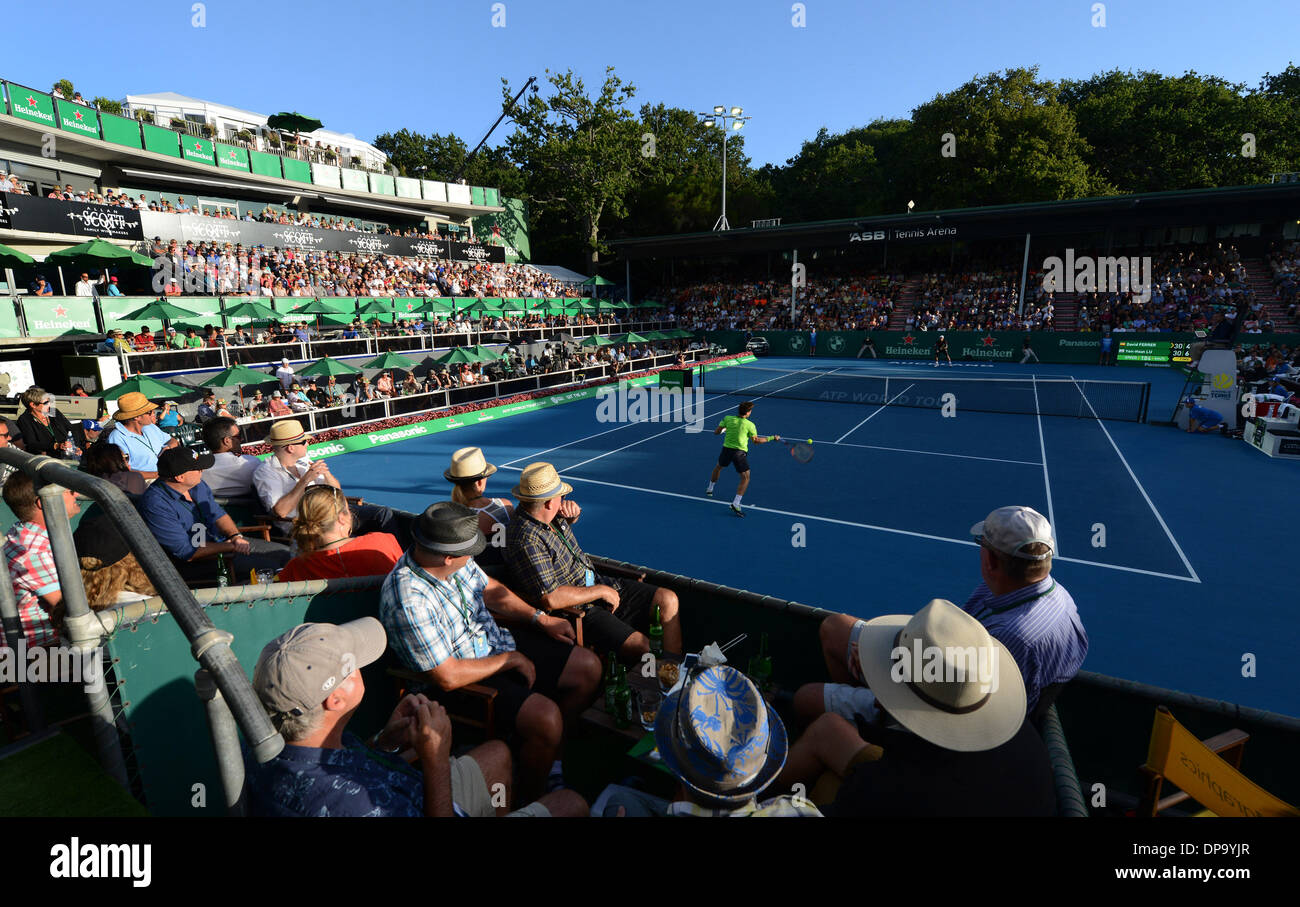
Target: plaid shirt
(431, 620)
(31, 569)
(784, 807)
(543, 557)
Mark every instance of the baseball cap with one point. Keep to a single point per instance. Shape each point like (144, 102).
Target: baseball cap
(1010, 529)
(91, 425)
(176, 460)
(297, 670)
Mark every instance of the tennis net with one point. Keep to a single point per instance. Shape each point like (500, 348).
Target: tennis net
(1118, 400)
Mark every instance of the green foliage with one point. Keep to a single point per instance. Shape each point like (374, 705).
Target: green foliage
(65, 86)
(108, 105)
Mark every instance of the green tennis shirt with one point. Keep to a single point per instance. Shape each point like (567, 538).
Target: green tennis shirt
(739, 431)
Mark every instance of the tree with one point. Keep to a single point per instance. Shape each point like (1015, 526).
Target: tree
(64, 87)
(441, 157)
(581, 157)
(108, 105)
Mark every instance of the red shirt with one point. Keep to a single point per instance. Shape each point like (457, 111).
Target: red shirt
(373, 554)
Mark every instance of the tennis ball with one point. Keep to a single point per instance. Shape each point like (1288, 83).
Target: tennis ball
(810, 440)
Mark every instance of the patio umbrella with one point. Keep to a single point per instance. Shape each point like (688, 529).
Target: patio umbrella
(160, 309)
(150, 387)
(255, 310)
(484, 354)
(298, 122)
(596, 340)
(456, 357)
(12, 258)
(98, 252)
(390, 360)
(238, 376)
(327, 366)
(318, 308)
(435, 307)
(631, 337)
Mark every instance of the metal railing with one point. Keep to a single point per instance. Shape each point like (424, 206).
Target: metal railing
(85, 631)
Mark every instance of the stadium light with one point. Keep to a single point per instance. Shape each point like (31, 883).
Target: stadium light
(720, 118)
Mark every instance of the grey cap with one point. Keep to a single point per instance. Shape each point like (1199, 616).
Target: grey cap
(297, 670)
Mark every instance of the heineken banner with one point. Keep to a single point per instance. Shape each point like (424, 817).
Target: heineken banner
(114, 309)
(48, 317)
(78, 118)
(197, 228)
(33, 106)
(52, 215)
(508, 229)
(8, 319)
(199, 150)
(232, 157)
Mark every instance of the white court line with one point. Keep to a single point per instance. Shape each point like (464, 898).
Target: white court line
(630, 424)
(682, 426)
(1047, 480)
(1161, 520)
(876, 413)
(823, 519)
(931, 453)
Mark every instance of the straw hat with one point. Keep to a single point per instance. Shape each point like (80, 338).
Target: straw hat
(970, 707)
(468, 465)
(286, 432)
(540, 482)
(133, 404)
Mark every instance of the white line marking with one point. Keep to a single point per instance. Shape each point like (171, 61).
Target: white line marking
(823, 519)
(1161, 520)
(931, 453)
(1047, 480)
(873, 415)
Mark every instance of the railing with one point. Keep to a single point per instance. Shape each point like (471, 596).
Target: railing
(211, 647)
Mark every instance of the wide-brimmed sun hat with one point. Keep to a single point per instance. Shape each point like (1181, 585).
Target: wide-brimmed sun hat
(941, 675)
(286, 432)
(468, 465)
(133, 404)
(540, 482)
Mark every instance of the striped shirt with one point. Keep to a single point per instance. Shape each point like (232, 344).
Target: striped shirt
(1040, 627)
(431, 620)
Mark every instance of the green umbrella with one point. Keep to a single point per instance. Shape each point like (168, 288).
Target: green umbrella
(597, 281)
(237, 375)
(99, 252)
(327, 366)
(12, 258)
(678, 333)
(376, 307)
(318, 308)
(295, 122)
(456, 356)
(390, 360)
(597, 340)
(150, 387)
(159, 308)
(655, 335)
(484, 354)
(631, 337)
(435, 307)
(254, 310)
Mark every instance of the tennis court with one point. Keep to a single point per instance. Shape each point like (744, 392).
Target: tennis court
(1163, 537)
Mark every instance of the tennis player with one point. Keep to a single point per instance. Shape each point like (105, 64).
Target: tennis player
(941, 349)
(735, 450)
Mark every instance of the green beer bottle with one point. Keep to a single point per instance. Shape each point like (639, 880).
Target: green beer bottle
(223, 578)
(760, 667)
(611, 682)
(622, 701)
(656, 635)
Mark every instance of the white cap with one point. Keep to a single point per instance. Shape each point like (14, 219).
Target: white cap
(1010, 529)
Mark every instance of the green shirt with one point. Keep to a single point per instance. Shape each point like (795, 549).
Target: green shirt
(194, 342)
(739, 431)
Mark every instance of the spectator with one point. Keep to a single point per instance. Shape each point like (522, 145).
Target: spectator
(469, 473)
(231, 472)
(170, 416)
(277, 406)
(85, 433)
(6, 437)
(435, 604)
(192, 340)
(192, 527)
(552, 573)
(297, 399)
(954, 745)
(31, 560)
(284, 374)
(326, 548)
(106, 461)
(1017, 600)
(110, 572)
(384, 385)
(326, 771)
(137, 435)
(283, 477)
(144, 341)
(109, 285)
(207, 409)
(44, 430)
(40, 287)
(725, 746)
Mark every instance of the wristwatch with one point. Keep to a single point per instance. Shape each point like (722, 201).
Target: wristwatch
(537, 616)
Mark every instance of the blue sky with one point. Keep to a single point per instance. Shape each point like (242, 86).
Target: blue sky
(374, 67)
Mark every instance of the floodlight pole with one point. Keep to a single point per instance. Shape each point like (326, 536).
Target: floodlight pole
(722, 118)
(722, 221)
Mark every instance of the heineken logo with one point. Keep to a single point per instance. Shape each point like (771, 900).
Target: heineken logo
(990, 340)
(198, 146)
(298, 238)
(60, 311)
(369, 243)
(31, 101)
(78, 116)
(909, 340)
(835, 344)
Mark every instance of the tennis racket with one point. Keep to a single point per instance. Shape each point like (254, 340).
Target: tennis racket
(800, 450)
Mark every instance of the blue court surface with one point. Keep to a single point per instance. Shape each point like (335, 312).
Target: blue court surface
(1174, 546)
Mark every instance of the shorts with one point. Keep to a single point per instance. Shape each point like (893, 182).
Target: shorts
(851, 699)
(470, 792)
(606, 631)
(731, 455)
(549, 656)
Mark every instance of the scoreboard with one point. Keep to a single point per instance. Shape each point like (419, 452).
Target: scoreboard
(1157, 352)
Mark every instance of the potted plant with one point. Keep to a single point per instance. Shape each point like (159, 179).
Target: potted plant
(178, 123)
(144, 116)
(244, 135)
(208, 130)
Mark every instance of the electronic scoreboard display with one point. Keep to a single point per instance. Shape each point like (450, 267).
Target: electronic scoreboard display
(1157, 352)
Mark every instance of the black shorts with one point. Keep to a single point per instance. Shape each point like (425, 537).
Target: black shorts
(730, 455)
(548, 655)
(606, 631)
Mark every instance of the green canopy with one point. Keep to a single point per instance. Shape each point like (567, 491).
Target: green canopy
(631, 337)
(12, 258)
(455, 357)
(655, 335)
(319, 307)
(150, 387)
(435, 307)
(293, 122)
(254, 310)
(159, 308)
(377, 307)
(328, 366)
(484, 354)
(237, 376)
(597, 281)
(597, 340)
(678, 333)
(390, 360)
(98, 252)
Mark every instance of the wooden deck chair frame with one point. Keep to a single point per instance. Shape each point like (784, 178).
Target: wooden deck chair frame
(1230, 746)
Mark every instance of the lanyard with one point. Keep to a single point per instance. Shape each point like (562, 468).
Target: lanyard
(577, 555)
(461, 592)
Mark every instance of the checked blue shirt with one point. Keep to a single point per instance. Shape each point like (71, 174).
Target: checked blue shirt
(429, 621)
(1040, 627)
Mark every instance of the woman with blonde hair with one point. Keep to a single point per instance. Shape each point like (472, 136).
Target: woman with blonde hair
(469, 473)
(326, 549)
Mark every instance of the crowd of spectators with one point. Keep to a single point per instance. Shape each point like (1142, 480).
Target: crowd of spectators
(1284, 271)
(975, 300)
(835, 301)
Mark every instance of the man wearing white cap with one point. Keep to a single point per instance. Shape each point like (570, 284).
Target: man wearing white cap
(950, 736)
(1017, 601)
(284, 374)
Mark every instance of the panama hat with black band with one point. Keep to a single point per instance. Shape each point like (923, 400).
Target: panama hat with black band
(286, 432)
